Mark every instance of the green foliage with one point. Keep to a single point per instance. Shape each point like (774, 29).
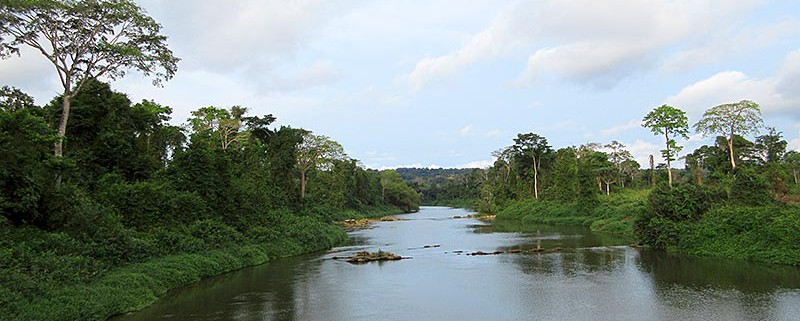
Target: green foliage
(133, 195)
(25, 165)
(750, 188)
(396, 192)
(683, 203)
(764, 233)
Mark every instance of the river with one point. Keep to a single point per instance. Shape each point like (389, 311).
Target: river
(580, 275)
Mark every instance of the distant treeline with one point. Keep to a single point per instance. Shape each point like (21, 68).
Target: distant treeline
(710, 206)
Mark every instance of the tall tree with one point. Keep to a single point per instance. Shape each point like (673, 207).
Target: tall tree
(86, 39)
(536, 147)
(618, 155)
(771, 147)
(222, 126)
(740, 118)
(668, 121)
(792, 159)
(316, 152)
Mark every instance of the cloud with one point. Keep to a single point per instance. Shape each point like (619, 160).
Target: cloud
(727, 42)
(466, 130)
(641, 151)
(616, 130)
(599, 43)
(477, 164)
(794, 144)
(240, 35)
(779, 93)
(319, 74)
(494, 133)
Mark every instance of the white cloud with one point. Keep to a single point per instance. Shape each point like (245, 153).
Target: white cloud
(319, 74)
(616, 130)
(599, 42)
(494, 133)
(466, 130)
(794, 144)
(775, 94)
(641, 151)
(727, 42)
(477, 164)
(240, 35)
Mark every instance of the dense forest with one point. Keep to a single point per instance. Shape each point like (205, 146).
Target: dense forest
(106, 204)
(736, 198)
(131, 188)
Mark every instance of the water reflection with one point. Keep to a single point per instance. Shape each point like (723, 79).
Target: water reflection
(591, 277)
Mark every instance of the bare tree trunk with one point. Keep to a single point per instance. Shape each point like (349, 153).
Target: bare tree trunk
(730, 150)
(535, 179)
(652, 172)
(794, 172)
(608, 189)
(669, 166)
(669, 173)
(62, 125)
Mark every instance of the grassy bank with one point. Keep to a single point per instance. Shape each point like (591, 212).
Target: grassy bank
(614, 213)
(768, 234)
(686, 220)
(55, 276)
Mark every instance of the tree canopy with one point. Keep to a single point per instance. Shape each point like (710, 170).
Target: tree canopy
(86, 39)
(668, 121)
(727, 120)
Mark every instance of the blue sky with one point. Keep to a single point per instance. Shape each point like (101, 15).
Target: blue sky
(445, 83)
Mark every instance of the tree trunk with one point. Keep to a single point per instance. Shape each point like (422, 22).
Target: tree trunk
(730, 150)
(302, 185)
(669, 166)
(62, 125)
(698, 173)
(652, 172)
(794, 172)
(669, 173)
(535, 179)
(608, 189)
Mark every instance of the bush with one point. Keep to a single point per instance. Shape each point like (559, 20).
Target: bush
(683, 202)
(750, 188)
(215, 234)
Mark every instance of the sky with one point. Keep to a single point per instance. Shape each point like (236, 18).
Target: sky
(443, 83)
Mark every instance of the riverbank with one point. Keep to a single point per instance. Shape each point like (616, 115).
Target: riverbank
(53, 276)
(767, 233)
(614, 213)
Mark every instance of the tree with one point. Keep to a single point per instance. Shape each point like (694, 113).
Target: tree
(793, 160)
(396, 192)
(315, 152)
(668, 121)
(533, 146)
(731, 119)
(13, 99)
(771, 148)
(222, 126)
(618, 156)
(84, 40)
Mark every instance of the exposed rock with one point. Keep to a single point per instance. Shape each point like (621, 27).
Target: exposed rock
(431, 246)
(365, 256)
(481, 253)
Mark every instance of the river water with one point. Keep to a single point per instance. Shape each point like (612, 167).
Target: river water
(590, 277)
